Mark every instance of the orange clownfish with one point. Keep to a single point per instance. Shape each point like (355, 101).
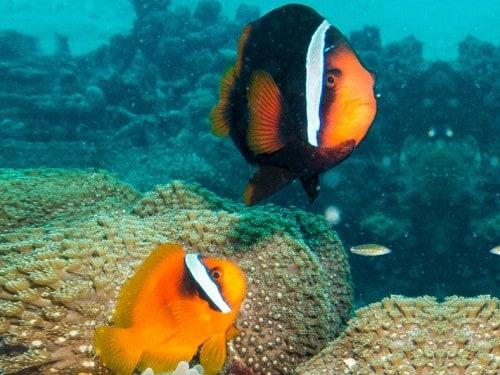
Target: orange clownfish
(174, 304)
(297, 101)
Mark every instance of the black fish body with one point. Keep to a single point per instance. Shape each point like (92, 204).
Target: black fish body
(277, 102)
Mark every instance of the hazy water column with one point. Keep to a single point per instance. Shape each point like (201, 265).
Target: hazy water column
(440, 25)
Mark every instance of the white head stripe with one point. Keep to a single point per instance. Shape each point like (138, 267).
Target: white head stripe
(200, 275)
(314, 81)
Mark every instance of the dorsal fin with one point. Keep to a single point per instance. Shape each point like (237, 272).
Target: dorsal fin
(219, 117)
(265, 108)
(129, 294)
(241, 46)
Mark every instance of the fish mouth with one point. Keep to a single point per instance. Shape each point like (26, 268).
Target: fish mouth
(350, 120)
(356, 107)
(361, 102)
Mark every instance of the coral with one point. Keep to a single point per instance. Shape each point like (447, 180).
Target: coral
(15, 45)
(409, 336)
(246, 13)
(182, 369)
(367, 39)
(479, 57)
(38, 196)
(144, 7)
(207, 11)
(384, 227)
(441, 170)
(58, 282)
(487, 228)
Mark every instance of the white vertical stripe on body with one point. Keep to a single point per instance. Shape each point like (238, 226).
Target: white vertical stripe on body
(200, 274)
(314, 81)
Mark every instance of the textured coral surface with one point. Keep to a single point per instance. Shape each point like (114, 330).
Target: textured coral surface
(34, 196)
(59, 280)
(416, 336)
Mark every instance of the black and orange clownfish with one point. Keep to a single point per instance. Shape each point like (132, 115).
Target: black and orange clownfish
(297, 101)
(175, 305)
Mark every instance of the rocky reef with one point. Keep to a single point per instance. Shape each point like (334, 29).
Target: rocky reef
(410, 336)
(60, 272)
(422, 183)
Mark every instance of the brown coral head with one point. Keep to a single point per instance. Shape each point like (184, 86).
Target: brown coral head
(239, 368)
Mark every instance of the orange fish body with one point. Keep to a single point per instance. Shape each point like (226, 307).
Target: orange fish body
(175, 303)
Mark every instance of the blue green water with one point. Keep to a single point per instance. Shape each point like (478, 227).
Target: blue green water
(89, 84)
(440, 25)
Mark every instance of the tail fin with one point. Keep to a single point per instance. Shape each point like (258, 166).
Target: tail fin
(311, 186)
(117, 349)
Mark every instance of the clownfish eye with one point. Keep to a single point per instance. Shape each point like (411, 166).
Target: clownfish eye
(331, 77)
(216, 273)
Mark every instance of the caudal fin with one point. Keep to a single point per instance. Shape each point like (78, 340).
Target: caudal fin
(117, 349)
(311, 186)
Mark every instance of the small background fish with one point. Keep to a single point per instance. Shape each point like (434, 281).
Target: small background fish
(370, 250)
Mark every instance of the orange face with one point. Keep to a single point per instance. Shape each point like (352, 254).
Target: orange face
(230, 279)
(348, 105)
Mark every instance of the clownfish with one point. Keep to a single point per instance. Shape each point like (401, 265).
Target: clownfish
(296, 102)
(175, 305)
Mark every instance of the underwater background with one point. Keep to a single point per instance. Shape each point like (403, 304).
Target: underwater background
(127, 87)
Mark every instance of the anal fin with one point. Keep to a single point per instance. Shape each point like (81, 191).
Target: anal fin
(232, 332)
(311, 186)
(213, 354)
(166, 358)
(266, 181)
(117, 349)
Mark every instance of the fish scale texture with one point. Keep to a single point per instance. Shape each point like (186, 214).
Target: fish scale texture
(58, 282)
(416, 336)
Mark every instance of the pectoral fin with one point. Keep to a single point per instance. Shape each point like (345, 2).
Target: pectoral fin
(266, 181)
(184, 313)
(213, 354)
(265, 106)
